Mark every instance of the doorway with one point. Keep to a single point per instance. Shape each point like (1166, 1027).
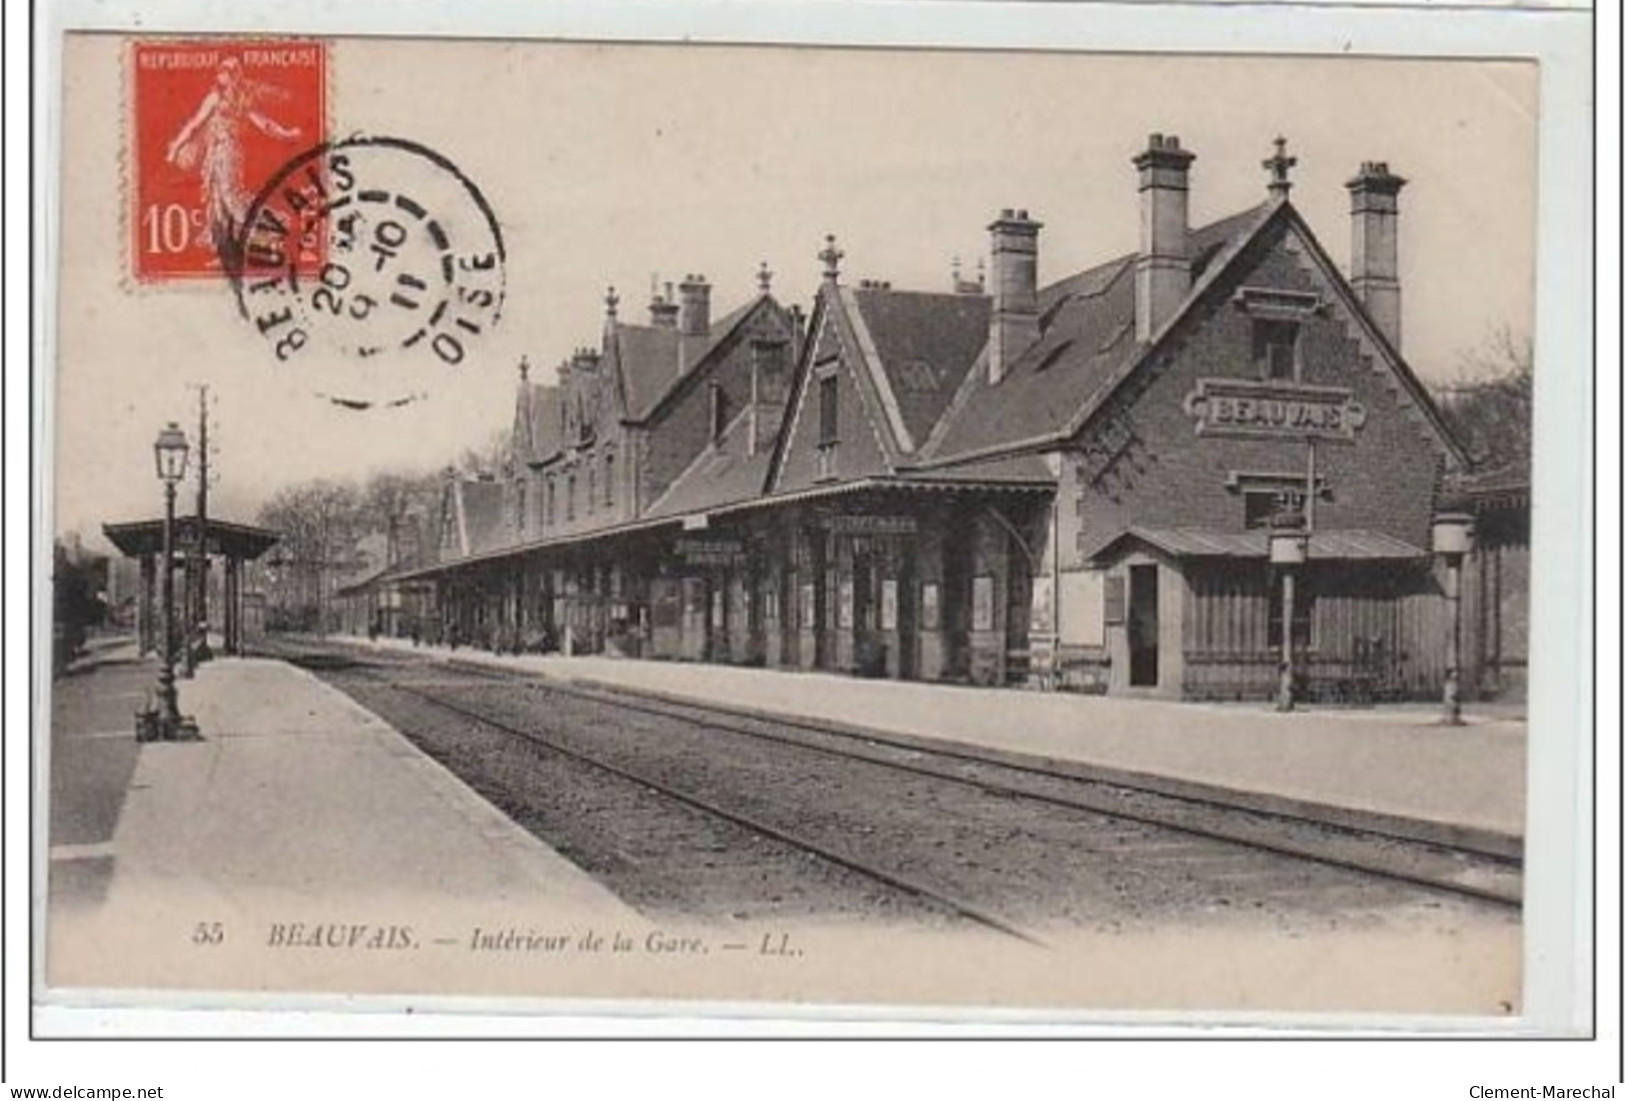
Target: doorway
(868, 646)
(908, 634)
(1142, 626)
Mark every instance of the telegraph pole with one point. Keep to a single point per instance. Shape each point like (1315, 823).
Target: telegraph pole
(200, 546)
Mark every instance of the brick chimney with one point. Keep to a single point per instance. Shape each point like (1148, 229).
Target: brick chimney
(1014, 324)
(663, 310)
(1374, 257)
(694, 306)
(1162, 274)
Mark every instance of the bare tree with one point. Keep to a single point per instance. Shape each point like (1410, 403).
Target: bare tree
(386, 500)
(397, 504)
(318, 522)
(322, 521)
(493, 457)
(1490, 408)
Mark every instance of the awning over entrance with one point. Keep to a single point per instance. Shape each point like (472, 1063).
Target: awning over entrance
(239, 541)
(1355, 544)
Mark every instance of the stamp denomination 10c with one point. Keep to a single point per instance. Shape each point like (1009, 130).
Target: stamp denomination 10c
(212, 120)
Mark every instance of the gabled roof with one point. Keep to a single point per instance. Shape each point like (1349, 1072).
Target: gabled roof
(722, 474)
(538, 423)
(1352, 544)
(1085, 346)
(649, 358)
(924, 343)
(477, 515)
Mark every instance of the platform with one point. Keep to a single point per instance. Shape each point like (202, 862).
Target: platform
(301, 817)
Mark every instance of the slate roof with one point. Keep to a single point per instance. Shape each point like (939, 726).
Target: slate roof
(926, 343)
(1086, 341)
(1502, 486)
(727, 475)
(540, 422)
(649, 354)
(648, 365)
(1355, 544)
(481, 523)
(720, 475)
(133, 538)
(1023, 469)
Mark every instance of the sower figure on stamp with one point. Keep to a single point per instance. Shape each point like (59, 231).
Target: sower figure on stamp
(212, 139)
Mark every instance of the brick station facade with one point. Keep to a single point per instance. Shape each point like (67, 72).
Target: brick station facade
(1007, 481)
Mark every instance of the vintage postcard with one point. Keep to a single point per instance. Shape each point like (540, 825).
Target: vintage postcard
(1026, 534)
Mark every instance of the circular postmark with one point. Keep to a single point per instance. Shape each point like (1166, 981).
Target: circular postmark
(372, 247)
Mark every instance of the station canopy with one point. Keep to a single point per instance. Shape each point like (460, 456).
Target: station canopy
(240, 541)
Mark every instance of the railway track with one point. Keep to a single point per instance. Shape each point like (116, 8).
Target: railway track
(1452, 870)
(1434, 868)
(851, 862)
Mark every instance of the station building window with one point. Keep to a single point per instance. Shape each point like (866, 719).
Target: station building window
(1259, 505)
(829, 410)
(1275, 349)
(1303, 615)
(1264, 495)
(570, 497)
(609, 480)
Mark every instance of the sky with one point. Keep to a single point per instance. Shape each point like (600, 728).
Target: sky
(632, 164)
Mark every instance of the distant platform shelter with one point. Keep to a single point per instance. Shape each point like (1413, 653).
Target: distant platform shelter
(235, 543)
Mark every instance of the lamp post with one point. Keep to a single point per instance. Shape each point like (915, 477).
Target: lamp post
(167, 724)
(1289, 549)
(1452, 541)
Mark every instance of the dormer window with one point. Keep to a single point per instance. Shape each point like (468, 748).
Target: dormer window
(1275, 349)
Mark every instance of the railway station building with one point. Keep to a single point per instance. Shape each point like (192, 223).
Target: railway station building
(1011, 480)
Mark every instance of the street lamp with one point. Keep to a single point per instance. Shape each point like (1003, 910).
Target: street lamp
(1452, 541)
(1289, 549)
(167, 724)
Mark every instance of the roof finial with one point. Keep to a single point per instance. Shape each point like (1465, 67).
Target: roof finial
(764, 278)
(524, 368)
(611, 301)
(831, 256)
(954, 271)
(1279, 166)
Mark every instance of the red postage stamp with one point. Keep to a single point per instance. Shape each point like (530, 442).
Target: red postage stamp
(212, 121)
